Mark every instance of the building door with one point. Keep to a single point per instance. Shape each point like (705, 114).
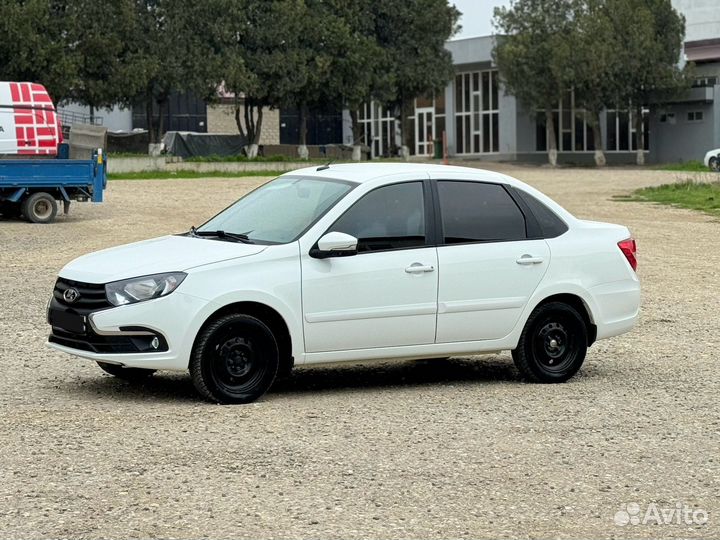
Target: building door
(424, 131)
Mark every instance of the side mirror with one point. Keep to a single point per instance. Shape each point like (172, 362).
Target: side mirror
(335, 244)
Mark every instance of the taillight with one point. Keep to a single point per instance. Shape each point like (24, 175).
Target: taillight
(629, 248)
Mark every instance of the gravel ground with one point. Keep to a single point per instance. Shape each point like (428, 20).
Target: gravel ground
(453, 448)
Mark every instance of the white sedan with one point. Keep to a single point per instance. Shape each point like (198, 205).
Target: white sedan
(346, 263)
(712, 160)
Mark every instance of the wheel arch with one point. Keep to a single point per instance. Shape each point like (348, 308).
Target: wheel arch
(268, 315)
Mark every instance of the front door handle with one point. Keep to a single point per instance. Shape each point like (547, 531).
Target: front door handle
(419, 268)
(529, 259)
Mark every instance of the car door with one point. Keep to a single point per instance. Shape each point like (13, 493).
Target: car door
(489, 267)
(386, 294)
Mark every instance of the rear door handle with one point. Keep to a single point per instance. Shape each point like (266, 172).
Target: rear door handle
(419, 268)
(529, 259)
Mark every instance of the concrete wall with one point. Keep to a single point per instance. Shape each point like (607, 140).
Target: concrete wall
(525, 130)
(471, 50)
(684, 140)
(221, 119)
(163, 163)
(507, 128)
(702, 18)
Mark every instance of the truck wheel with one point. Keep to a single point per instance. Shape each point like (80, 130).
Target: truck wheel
(552, 345)
(127, 374)
(235, 359)
(40, 208)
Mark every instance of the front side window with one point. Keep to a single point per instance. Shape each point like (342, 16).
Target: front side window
(476, 212)
(281, 210)
(390, 217)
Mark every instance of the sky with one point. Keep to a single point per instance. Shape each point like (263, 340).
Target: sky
(477, 16)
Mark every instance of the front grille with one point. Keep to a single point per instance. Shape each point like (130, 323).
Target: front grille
(92, 296)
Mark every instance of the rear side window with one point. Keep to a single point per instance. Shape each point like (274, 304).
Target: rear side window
(390, 217)
(476, 212)
(549, 222)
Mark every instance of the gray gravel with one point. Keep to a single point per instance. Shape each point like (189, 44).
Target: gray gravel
(447, 448)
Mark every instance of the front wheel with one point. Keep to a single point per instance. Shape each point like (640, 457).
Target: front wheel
(235, 359)
(127, 374)
(714, 163)
(552, 345)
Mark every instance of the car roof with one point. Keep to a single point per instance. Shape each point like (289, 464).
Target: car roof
(365, 172)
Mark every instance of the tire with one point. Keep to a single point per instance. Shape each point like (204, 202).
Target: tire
(714, 163)
(235, 359)
(127, 374)
(552, 345)
(40, 208)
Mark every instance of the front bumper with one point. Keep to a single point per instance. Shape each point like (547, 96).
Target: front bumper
(123, 335)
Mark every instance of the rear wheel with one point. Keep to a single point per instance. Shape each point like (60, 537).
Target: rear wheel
(127, 374)
(714, 163)
(235, 359)
(553, 344)
(40, 208)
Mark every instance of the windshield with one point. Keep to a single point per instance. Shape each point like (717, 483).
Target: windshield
(279, 211)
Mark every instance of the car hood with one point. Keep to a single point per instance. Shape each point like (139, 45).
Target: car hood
(164, 254)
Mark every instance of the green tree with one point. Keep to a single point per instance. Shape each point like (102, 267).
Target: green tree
(413, 35)
(105, 73)
(340, 51)
(361, 71)
(265, 63)
(648, 39)
(34, 45)
(175, 48)
(532, 55)
(591, 62)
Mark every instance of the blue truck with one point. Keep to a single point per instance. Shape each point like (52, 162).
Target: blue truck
(32, 188)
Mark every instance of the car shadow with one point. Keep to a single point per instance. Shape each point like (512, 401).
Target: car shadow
(384, 374)
(178, 387)
(161, 387)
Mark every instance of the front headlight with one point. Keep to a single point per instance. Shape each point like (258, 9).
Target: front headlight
(139, 289)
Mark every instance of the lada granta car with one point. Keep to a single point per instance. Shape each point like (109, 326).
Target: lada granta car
(347, 263)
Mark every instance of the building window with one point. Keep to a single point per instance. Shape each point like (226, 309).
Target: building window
(695, 116)
(477, 113)
(621, 135)
(573, 132)
(378, 128)
(667, 118)
(703, 82)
